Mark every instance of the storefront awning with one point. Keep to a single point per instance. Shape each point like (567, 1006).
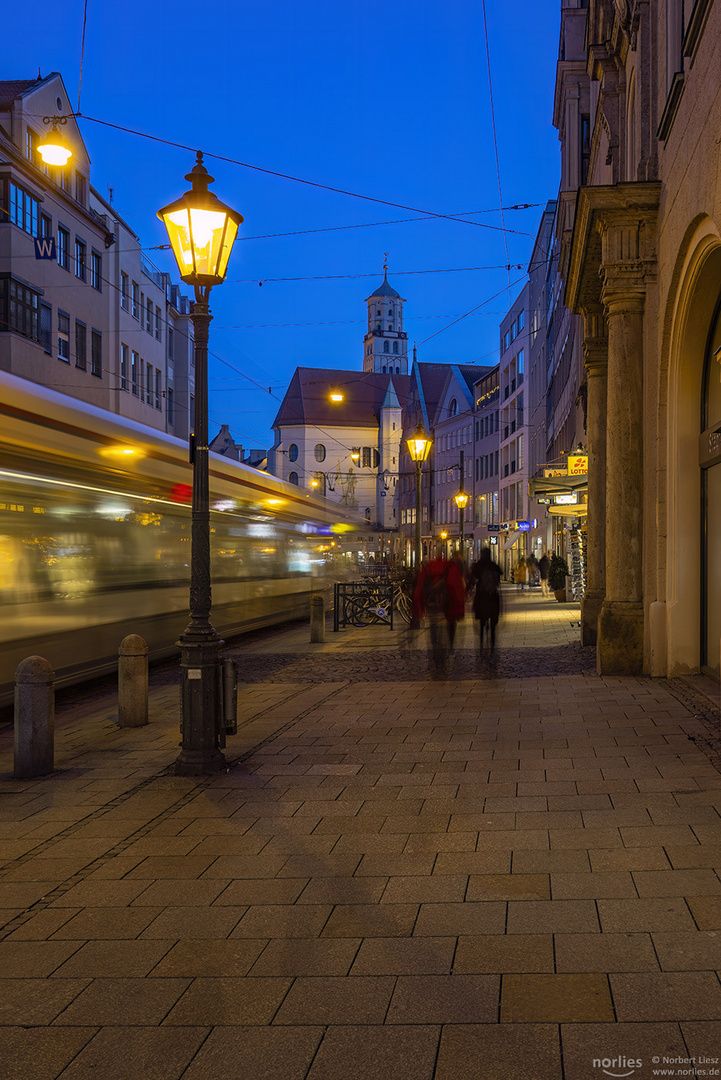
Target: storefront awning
(511, 541)
(552, 485)
(572, 510)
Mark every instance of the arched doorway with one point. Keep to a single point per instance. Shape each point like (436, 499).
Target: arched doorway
(680, 633)
(710, 462)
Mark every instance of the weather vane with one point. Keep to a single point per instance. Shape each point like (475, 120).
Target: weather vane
(385, 264)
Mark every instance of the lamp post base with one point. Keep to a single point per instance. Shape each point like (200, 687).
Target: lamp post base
(201, 707)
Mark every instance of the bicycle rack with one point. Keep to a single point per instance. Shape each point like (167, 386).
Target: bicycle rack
(362, 603)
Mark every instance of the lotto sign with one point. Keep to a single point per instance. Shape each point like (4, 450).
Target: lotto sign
(577, 464)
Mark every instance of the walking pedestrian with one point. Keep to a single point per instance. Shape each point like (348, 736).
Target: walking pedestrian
(522, 573)
(543, 564)
(485, 579)
(532, 565)
(439, 597)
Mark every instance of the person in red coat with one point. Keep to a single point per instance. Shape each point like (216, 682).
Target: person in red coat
(440, 596)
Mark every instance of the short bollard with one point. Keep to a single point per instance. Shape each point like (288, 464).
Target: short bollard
(34, 718)
(132, 682)
(317, 618)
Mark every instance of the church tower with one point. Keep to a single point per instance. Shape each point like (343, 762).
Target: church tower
(385, 346)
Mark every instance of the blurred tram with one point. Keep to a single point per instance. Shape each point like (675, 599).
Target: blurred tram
(95, 524)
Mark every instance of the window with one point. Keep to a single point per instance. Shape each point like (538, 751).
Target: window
(124, 299)
(31, 142)
(141, 379)
(96, 270)
(23, 209)
(124, 367)
(157, 388)
(385, 346)
(63, 336)
(375, 458)
(171, 343)
(81, 341)
(293, 452)
(149, 316)
(63, 179)
(293, 478)
(19, 309)
(319, 452)
(453, 407)
(149, 384)
(96, 354)
(521, 366)
(134, 373)
(521, 322)
(395, 347)
(81, 188)
(46, 327)
(157, 323)
(80, 259)
(134, 307)
(46, 225)
(170, 407)
(366, 460)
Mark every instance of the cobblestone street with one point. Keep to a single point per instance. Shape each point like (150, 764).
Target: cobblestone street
(512, 870)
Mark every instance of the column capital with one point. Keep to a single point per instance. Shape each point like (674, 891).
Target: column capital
(623, 294)
(595, 339)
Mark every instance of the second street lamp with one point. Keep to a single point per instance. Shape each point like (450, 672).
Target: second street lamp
(461, 501)
(201, 230)
(419, 447)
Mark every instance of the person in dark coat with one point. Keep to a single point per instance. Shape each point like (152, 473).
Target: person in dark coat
(543, 564)
(485, 579)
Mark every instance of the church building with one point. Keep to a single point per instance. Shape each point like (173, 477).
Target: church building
(338, 431)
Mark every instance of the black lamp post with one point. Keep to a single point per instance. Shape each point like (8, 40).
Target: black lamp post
(419, 447)
(201, 230)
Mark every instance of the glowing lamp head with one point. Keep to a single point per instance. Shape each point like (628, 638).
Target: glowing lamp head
(419, 444)
(314, 483)
(461, 500)
(201, 230)
(444, 536)
(53, 149)
(336, 396)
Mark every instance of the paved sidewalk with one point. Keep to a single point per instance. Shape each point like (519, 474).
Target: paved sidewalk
(511, 872)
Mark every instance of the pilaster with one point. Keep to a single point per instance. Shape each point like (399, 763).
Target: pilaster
(595, 358)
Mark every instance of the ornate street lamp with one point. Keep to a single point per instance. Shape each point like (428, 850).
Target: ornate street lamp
(419, 447)
(201, 230)
(53, 149)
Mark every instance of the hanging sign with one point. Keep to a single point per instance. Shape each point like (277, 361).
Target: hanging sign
(45, 247)
(577, 464)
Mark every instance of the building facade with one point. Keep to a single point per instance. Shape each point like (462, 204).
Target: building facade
(643, 272)
(486, 463)
(82, 310)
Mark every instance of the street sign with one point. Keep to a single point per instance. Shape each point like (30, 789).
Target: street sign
(45, 247)
(492, 539)
(494, 528)
(524, 526)
(555, 472)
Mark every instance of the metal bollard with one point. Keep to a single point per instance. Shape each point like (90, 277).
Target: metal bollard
(132, 682)
(34, 718)
(230, 696)
(317, 618)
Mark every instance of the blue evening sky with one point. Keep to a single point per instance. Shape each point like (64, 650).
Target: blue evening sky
(389, 101)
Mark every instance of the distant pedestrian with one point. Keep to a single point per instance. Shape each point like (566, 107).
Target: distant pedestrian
(543, 564)
(532, 565)
(522, 573)
(485, 579)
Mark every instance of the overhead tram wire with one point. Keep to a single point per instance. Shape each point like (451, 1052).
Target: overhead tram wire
(301, 180)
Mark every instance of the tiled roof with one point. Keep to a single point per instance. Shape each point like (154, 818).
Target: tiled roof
(307, 399)
(13, 88)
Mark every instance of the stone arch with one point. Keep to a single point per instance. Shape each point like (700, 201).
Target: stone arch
(692, 300)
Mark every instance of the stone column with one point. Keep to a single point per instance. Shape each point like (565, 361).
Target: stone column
(621, 624)
(595, 356)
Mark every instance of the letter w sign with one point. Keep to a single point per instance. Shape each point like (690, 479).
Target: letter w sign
(45, 247)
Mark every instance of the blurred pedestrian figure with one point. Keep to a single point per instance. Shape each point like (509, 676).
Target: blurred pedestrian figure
(485, 579)
(439, 597)
(532, 565)
(522, 573)
(543, 564)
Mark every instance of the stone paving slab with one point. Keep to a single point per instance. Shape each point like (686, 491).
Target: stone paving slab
(509, 871)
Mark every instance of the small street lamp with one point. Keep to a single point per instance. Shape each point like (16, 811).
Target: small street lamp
(201, 230)
(53, 149)
(461, 501)
(419, 447)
